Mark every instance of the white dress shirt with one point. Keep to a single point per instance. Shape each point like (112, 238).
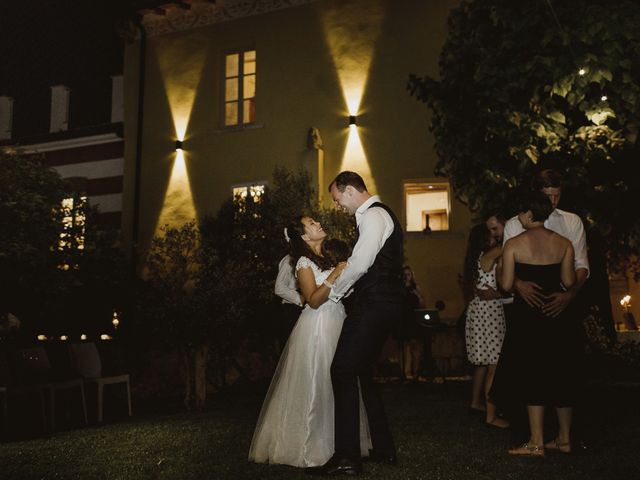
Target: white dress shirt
(375, 226)
(563, 223)
(286, 283)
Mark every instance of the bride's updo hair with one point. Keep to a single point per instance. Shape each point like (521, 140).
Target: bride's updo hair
(299, 248)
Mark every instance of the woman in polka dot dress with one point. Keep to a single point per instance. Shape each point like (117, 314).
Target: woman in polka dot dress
(485, 324)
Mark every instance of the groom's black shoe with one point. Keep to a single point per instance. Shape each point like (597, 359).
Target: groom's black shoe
(337, 466)
(381, 457)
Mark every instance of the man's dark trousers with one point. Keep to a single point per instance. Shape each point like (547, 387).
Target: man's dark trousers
(368, 323)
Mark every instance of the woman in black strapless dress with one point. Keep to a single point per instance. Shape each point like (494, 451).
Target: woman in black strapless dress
(539, 362)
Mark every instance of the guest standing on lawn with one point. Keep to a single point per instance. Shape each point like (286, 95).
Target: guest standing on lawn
(485, 324)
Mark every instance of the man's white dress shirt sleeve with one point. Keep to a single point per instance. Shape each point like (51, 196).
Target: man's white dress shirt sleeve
(578, 239)
(512, 228)
(375, 226)
(286, 284)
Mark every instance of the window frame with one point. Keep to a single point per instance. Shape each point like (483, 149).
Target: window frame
(239, 125)
(407, 184)
(263, 183)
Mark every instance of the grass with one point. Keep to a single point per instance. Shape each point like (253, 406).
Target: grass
(436, 439)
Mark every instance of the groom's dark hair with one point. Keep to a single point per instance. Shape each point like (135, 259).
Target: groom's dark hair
(348, 178)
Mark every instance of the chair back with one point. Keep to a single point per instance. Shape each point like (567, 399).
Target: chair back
(86, 359)
(33, 364)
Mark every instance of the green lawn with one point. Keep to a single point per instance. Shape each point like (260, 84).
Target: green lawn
(435, 436)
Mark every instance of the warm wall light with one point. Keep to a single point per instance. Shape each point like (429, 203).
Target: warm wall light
(352, 120)
(83, 337)
(178, 145)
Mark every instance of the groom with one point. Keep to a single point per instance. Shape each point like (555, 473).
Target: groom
(374, 272)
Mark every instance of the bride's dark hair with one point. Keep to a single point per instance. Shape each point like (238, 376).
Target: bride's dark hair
(299, 248)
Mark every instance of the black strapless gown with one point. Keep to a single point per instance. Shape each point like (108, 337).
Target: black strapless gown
(541, 358)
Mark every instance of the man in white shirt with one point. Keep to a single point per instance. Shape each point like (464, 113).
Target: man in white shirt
(569, 226)
(286, 288)
(374, 278)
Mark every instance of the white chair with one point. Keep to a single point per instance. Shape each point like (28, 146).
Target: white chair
(36, 368)
(88, 365)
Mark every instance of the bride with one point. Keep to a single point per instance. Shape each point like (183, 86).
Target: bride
(296, 423)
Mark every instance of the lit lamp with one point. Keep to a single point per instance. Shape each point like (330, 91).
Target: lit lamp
(178, 145)
(352, 120)
(64, 338)
(116, 320)
(42, 338)
(104, 336)
(627, 314)
(83, 337)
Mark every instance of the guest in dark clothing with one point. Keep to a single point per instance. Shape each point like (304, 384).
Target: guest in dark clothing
(540, 359)
(411, 336)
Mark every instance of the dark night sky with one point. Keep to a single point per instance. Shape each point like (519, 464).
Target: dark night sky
(53, 42)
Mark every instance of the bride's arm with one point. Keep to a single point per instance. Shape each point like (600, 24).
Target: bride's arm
(316, 295)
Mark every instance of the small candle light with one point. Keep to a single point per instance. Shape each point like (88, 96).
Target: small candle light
(626, 302)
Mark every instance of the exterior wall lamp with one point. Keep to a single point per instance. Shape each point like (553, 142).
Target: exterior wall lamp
(178, 145)
(352, 120)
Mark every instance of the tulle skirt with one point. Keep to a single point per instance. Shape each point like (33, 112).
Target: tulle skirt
(296, 423)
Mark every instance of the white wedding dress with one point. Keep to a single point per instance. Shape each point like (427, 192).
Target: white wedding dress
(296, 423)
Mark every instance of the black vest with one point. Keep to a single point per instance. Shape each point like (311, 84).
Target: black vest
(383, 280)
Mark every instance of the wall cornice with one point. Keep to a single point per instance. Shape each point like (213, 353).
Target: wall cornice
(172, 18)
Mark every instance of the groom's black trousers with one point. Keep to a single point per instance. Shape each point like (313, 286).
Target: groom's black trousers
(364, 332)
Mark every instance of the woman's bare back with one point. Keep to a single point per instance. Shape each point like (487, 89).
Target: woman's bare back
(539, 246)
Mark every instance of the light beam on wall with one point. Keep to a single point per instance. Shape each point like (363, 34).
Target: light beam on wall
(352, 52)
(178, 207)
(180, 68)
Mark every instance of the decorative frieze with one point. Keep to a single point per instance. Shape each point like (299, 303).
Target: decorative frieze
(172, 18)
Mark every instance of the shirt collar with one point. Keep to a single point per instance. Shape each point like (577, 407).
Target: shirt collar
(363, 208)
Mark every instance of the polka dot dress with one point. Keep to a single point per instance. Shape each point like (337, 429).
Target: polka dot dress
(485, 325)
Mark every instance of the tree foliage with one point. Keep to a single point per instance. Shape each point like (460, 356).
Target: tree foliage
(530, 85)
(58, 277)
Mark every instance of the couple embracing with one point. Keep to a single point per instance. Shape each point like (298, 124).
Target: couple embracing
(322, 410)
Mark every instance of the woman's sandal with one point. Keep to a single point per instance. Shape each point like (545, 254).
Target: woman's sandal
(528, 450)
(557, 447)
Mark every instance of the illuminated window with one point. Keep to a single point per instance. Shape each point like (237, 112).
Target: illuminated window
(73, 220)
(427, 205)
(240, 88)
(255, 191)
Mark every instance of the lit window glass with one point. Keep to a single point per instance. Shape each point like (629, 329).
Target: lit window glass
(428, 206)
(240, 88)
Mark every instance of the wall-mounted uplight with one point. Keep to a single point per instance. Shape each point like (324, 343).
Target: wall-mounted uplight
(178, 145)
(352, 120)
